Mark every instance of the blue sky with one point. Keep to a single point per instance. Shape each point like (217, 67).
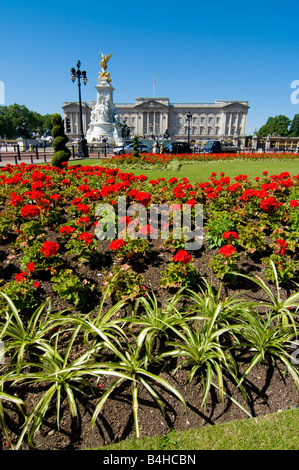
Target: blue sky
(198, 51)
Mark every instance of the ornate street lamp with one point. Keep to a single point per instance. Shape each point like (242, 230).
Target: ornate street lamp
(82, 145)
(188, 119)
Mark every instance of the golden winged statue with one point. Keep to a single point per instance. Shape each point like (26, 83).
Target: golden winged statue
(103, 63)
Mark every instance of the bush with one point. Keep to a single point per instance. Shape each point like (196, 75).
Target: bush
(61, 152)
(135, 147)
(59, 143)
(60, 157)
(56, 120)
(57, 131)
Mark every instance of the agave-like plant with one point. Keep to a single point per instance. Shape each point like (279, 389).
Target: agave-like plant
(266, 338)
(200, 349)
(209, 303)
(284, 310)
(21, 338)
(130, 364)
(153, 320)
(65, 378)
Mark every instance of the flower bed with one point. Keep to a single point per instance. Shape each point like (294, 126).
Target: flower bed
(125, 317)
(149, 159)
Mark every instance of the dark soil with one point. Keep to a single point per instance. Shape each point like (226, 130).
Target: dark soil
(269, 387)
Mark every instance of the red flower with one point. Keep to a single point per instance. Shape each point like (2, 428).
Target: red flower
(143, 198)
(56, 197)
(125, 220)
(21, 276)
(227, 250)
(76, 201)
(83, 220)
(229, 234)
(173, 180)
(147, 229)
(83, 208)
(36, 284)
(117, 244)
(294, 203)
(30, 267)
(66, 230)
(176, 207)
(49, 249)
(182, 256)
(269, 204)
(30, 211)
(281, 246)
(16, 200)
(87, 237)
(191, 202)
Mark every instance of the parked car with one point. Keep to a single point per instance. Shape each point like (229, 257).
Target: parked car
(177, 147)
(215, 146)
(142, 148)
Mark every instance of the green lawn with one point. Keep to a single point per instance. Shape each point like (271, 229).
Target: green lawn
(278, 431)
(193, 171)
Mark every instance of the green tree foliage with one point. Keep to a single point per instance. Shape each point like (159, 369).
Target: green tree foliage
(15, 116)
(294, 127)
(278, 125)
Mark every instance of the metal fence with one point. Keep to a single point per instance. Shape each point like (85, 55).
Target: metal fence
(13, 154)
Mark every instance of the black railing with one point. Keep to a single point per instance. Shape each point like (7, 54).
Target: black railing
(35, 154)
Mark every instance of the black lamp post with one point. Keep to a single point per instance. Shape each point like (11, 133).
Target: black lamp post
(188, 119)
(82, 145)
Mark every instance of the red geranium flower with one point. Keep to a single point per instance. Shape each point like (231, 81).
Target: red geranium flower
(87, 237)
(182, 256)
(30, 211)
(83, 208)
(147, 229)
(30, 267)
(66, 230)
(227, 250)
(16, 200)
(49, 249)
(83, 220)
(125, 220)
(281, 246)
(229, 234)
(117, 244)
(269, 204)
(294, 203)
(21, 276)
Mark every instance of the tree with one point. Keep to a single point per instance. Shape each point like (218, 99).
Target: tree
(15, 117)
(278, 125)
(294, 127)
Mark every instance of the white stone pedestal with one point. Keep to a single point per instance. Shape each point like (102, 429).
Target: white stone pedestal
(104, 120)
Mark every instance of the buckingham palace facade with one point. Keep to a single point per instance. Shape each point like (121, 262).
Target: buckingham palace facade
(148, 117)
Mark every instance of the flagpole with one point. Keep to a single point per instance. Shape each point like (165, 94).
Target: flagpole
(154, 84)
